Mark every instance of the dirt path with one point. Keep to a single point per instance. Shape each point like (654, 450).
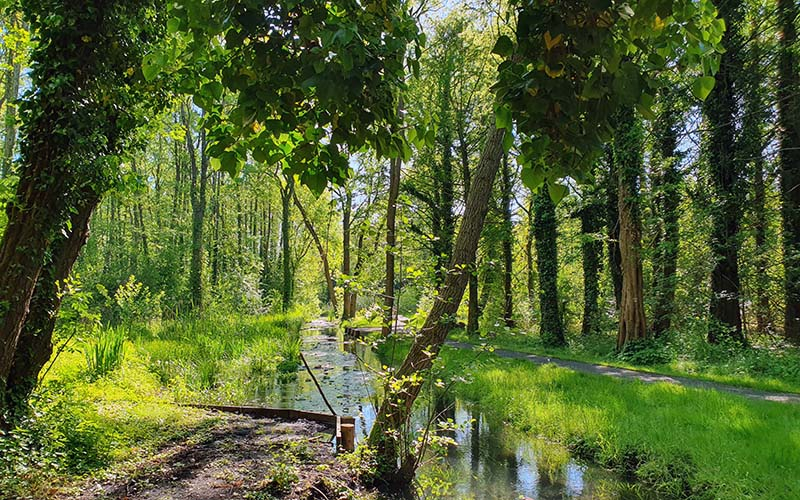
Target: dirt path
(647, 377)
(241, 457)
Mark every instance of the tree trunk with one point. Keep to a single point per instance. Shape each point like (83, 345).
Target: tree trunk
(473, 312)
(592, 253)
(197, 193)
(789, 133)
(347, 210)
(628, 145)
(287, 192)
(666, 184)
(391, 242)
(508, 242)
(35, 345)
(726, 183)
(612, 222)
(10, 98)
(393, 416)
(545, 227)
(323, 255)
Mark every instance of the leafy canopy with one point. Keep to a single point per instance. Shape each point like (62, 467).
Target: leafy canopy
(300, 80)
(573, 63)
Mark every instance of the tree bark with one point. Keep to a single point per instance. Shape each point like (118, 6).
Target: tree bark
(628, 144)
(347, 210)
(197, 194)
(323, 255)
(789, 134)
(393, 416)
(545, 227)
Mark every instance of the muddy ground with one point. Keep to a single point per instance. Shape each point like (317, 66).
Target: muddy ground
(239, 457)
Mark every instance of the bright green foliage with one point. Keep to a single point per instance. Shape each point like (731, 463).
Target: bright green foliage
(105, 353)
(307, 79)
(574, 63)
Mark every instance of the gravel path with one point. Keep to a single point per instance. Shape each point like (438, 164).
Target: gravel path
(623, 373)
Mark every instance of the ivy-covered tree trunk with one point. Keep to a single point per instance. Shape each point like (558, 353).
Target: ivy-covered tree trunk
(508, 244)
(628, 143)
(287, 284)
(789, 130)
(592, 253)
(667, 188)
(386, 436)
(545, 228)
(35, 345)
(197, 195)
(612, 224)
(726, 183)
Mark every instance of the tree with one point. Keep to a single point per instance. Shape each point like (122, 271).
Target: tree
(545, 228)
(399, 464)
(69, 152)
(726, 177)
(628, 158)
(592, 221)
(198, 176)
(789, 134)
(506, 192)
(287, 284)
(667, 191)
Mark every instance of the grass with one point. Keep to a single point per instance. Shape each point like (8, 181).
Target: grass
(765, 366)
(682, 442)
(85, 421)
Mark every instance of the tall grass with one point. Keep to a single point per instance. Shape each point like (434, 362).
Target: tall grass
(105, 353)
(224, 357)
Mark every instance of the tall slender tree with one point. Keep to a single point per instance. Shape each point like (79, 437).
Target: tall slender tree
(789, 134)
(545, 227)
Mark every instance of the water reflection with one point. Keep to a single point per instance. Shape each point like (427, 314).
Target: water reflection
(490, 461)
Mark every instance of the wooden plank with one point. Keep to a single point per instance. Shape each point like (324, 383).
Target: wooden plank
(282, 413)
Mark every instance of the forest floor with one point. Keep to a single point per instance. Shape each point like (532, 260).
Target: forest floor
(648, 377)
(239, 457)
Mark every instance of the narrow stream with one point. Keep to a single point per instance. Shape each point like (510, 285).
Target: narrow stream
(490, 461)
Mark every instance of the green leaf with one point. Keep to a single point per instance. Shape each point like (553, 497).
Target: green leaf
(703, 86)
(557, 192)
(504, 47)
(229, 162)
(502, 117)
(173, 25)
(532, 177)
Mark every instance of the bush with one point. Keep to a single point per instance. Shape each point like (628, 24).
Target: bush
(646, 352)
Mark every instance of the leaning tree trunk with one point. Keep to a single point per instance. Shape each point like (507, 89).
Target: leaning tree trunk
(35, 344)
(789, 130)
(726, 182)
(473, 307)
(323, 255)
(545, 228)
(628, 145)
(401, 392)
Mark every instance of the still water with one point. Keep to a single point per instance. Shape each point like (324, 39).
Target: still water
(489, 462)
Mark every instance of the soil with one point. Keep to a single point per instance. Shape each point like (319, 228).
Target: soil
(239, 457)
